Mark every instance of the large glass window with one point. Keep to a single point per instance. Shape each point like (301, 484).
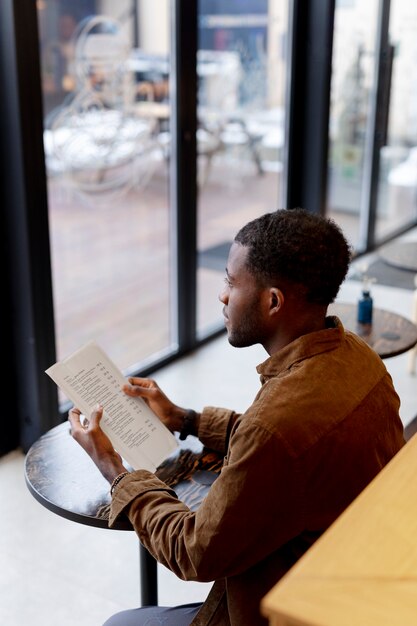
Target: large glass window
(105, 76)
(112, 135)
(352, 86)
(108, 143)
(372, 182)
(241, 67)
(397, 192)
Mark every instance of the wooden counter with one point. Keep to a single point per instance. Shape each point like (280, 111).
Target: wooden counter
(363, 570)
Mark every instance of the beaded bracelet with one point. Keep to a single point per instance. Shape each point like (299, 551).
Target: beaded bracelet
(188, 424)
(117, 480)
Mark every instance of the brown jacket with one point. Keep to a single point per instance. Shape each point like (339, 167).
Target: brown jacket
(323, 424)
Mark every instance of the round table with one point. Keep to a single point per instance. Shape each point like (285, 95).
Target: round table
(389, 334)
(401, 254)
(62, 477)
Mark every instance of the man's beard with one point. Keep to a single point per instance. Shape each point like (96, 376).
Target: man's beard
(247, 332)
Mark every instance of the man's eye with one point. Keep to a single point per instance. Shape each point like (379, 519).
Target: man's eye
(227, 281)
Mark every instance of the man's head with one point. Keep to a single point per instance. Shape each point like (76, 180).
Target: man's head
(298, 251)
(284, 268)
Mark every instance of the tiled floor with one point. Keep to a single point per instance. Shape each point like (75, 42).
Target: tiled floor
(55, 572)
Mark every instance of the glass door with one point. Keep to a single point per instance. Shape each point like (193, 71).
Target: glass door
(372, 174)
(105, 76)
(397, 190)
(241, 69)
(352, 86)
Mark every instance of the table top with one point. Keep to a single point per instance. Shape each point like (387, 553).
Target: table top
(363, 570)
(62, 477)
(402, 254)
(389, 334)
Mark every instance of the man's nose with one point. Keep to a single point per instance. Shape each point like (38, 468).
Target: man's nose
(224, 295)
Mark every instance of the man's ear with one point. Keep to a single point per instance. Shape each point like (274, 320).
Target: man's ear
(276, 300)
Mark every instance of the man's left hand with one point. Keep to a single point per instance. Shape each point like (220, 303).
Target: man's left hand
(95, 442)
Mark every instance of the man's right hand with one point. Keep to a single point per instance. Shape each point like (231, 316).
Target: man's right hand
(171, 415)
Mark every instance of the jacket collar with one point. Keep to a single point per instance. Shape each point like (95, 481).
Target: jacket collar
(302, 348)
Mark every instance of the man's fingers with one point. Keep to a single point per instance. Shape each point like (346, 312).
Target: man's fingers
(136, 380)
(144, 387)
(74, 418)
(96, 416)
(143, 383)
(132, 390)
(135, 390)
(89, 423)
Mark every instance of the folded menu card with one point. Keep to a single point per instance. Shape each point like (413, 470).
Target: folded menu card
(88, 377)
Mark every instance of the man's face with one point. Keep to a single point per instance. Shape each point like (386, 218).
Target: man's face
(241, 299)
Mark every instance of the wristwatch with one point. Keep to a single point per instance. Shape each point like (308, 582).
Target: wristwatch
(188, 424)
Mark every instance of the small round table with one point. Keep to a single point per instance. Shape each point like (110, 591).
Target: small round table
(389, 334)
(62, 477)
(401, 254)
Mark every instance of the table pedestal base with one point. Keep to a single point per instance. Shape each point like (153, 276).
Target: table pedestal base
(148, 578)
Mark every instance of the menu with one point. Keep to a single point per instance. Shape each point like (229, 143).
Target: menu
(88, 377)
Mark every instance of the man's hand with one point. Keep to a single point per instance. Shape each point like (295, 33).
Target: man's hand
(171, 415)
(96, 443)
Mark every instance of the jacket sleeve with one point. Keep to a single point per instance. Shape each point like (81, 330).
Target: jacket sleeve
(256, 490)
(215, 427)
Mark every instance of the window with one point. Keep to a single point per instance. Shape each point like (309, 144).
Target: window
(105, 77)
(241, 67)
(373, 131)
(139, 96)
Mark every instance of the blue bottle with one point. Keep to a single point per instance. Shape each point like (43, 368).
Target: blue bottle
(365, 307)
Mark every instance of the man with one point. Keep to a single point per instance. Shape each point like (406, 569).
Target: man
(323, 424)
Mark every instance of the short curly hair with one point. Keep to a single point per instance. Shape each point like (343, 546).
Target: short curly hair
(299, 251)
